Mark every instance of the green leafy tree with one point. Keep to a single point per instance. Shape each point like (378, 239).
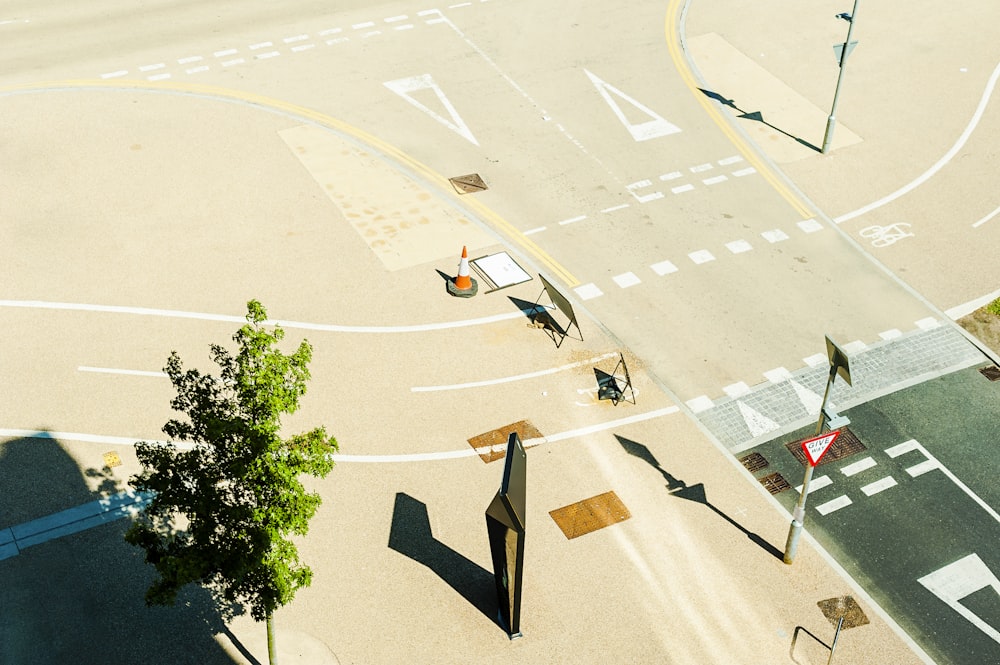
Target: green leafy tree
(223, 508)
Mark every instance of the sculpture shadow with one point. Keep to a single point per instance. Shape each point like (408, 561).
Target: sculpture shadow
(410, 535)
(754, 115)
(695, 493)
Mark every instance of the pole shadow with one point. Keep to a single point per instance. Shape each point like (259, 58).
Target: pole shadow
(410, 535)
(696, 493)
(795, 637)
(754, 115)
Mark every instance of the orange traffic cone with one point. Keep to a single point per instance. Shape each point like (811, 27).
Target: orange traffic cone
(463, 285)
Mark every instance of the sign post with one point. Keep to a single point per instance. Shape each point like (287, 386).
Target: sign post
(816, 447)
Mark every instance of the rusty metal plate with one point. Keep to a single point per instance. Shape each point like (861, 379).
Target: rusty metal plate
(991, 372)
(754, 462)
(112, 459)
(843, 606)
(468, 184)
(590, 514)
(774, 483)
(847, 444)
(492, 445)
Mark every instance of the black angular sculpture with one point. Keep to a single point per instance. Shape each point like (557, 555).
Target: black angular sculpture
(505, 525)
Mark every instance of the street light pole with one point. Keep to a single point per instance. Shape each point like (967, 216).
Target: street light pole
(832, 120)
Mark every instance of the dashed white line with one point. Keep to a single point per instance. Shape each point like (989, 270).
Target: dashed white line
(715, 180)
(738, 246)
(700, 168)
(129, 372)
(303, 47)
(361, 26)
(810, 225)
(588, 291)
(330, 31)
(371, 34)
(298, 38)
(260, 45)
(405, 26)
(816, 360)
(681, 188)
(537, 229)
(235, 61)
(150, 68)
(111, 75)
(922, 468)
(572, 220)
(892, 333)
(840, 502)
(774, 235)
(158, 77)
(858, 467)
(700, 403)
(617, 207)
(225, 52)
(701, 256)
(663, 268)
(269, 54)
(743, 172)
(188, 60)
(879, 486)
(626, 280)
(738, 389)
(396, 19)
(673, 175)
(816, 484)
(195, 70)
(337, 40)
(726, 161)
(461, 4)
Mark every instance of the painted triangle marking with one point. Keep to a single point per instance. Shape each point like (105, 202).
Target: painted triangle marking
(756, 421)
(643, 131)
(404, 86)
(810, 400)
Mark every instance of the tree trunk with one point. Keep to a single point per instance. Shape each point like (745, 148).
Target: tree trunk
(272, 647)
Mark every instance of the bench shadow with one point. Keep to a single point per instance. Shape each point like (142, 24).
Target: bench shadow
(411, 536)
(756, 116)
(696, 493)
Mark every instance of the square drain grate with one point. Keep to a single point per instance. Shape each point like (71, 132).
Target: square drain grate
(774, 483)
(991, 372)
(468, 184)
(754, 462)
(492, 445)
(847, 444)
(583, 517)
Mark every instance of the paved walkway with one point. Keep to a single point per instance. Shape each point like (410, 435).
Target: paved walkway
(790, 402)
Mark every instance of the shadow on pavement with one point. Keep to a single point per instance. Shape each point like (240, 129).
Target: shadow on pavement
(754, 115)
(79, 598)
(411, 536)
(695, 493)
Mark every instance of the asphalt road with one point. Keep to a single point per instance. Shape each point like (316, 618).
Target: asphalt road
(922, 523)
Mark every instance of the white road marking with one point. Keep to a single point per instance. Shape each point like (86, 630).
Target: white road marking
(743, 172)
(960, 579)
(158, 77)
(372, 33)
(234, 61)
(191, 58)
(892, 333)
(617, 207)
(738, 389)
(922, 468)
(130, 372)
(774, 235)
(643, 131)
(151, 68)
(405, 26)
(700, 167)
(715, 180)
(626, 280)
(673, 175)
(361, 26)
(337, 40)
(738, 246)
(816, 484)
(859, 466)
(959, 311)
(814, 361)
(269, 54)
(980, 109)
(297, 325)
(663, 268)
(701, 256)
(811, 401)
(404, 86)
(841, 501)
(529, 443)
(572, 220)
(509, 379)
(986, 218)
(396, 19)
(879, 486)
(83, 438)
(857, 346)
(700, 403)
(928, 323)
(810, 226)
(735, 159)
(195, 70)
(757, 423)
(303, 47)
(681, 188)
(260, 45)
(223, 53)
(297, 38)
(537, 229)
(330, 31)
(777, 375)
(111, 75)
(461, 4)
(588, 291)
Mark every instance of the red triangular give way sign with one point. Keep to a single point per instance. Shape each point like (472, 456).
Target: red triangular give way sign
(816, 447)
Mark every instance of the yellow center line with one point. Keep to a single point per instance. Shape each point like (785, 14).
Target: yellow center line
(433, 177)
(676, 54)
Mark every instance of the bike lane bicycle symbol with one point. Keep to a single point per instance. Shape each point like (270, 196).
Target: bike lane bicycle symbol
(883, 236)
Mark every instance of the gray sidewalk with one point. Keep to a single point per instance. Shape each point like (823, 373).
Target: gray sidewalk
(771, 409)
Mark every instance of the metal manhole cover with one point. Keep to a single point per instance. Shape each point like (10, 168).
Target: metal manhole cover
(492, 445)
(991, 372)
(112, 459)
(774, 483)
(847, 444)
(591, 514)
(467, 184)
(754, 462)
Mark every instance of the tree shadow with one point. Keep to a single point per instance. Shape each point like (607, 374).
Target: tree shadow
(754, 115)
(695, 493)
(78, 596)
(410, 535)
